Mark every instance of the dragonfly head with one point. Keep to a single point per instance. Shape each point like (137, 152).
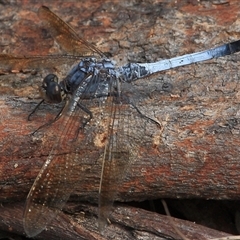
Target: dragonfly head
(51, 91)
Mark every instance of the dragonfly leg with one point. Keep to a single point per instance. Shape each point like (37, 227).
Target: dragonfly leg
(50, 122)
(34, 110)
(128, 101)
(86, 110)
(144, 116)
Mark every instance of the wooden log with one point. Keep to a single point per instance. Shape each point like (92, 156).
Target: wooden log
(193, 154)
(126, 223)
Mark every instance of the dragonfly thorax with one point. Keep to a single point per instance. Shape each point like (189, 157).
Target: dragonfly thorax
(92, 76)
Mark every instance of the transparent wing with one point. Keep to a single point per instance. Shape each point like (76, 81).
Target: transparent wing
(51, 188)
(127, 129)
(115, 162)
(55, 181)
(65, 35)
(9, 62)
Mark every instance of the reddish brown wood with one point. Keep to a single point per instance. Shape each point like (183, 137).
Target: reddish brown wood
(196, 151)
(141, 224)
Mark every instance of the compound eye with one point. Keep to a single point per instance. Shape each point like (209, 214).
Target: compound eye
(51, 90)
(49, 79)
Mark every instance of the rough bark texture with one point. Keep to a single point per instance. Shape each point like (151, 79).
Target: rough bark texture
(128, 223)
(195, 153)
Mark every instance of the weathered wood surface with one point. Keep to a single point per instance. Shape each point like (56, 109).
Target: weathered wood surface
(195, 154)
(196, 150)
(138, 224)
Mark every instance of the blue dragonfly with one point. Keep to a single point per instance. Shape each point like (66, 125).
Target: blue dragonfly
(93, 82)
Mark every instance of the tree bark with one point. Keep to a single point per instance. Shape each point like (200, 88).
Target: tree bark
(195, 151)
(126, 223)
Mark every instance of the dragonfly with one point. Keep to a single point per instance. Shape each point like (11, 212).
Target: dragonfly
(93, 83)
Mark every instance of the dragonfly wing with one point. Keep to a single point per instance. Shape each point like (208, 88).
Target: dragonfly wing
(117, 159)
(11, 62)
(55, 183)
(52, 186)
(65, 35)
(127, 128)
(67, 38)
